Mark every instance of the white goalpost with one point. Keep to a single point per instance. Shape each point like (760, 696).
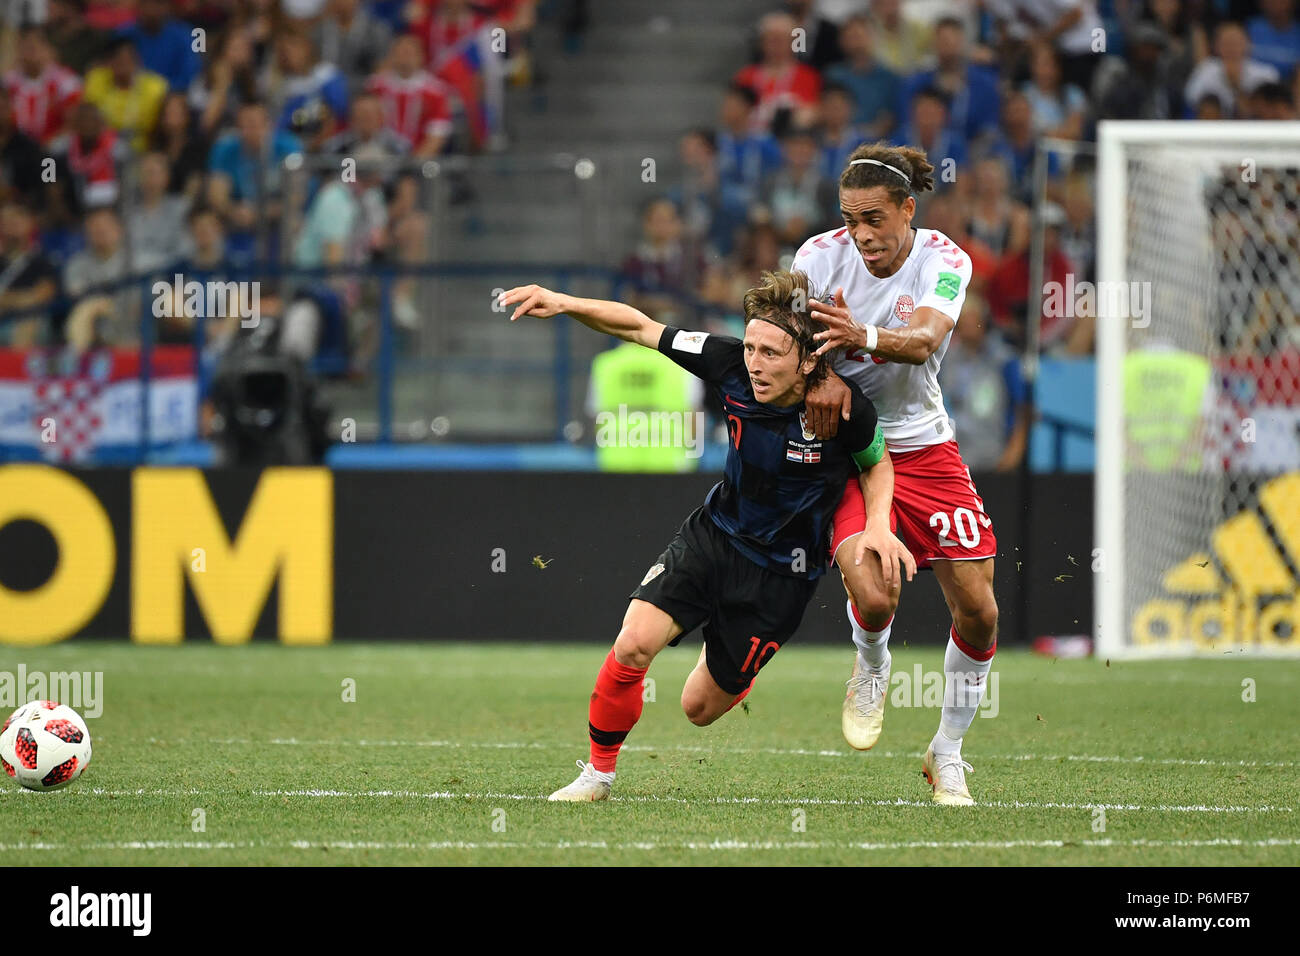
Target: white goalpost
(1198, 389)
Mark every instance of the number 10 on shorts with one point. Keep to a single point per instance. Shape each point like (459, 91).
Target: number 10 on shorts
(756, 655)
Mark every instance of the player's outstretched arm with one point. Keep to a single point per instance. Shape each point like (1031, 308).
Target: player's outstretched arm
(878, 491)
(612, 318)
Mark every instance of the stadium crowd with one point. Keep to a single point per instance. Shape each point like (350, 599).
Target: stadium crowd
(151, 136)
(979, 86)
(146, 136)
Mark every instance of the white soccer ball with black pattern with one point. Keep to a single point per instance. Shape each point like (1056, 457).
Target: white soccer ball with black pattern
(44, 745)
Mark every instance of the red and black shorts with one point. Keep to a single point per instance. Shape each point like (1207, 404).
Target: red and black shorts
(748, 611)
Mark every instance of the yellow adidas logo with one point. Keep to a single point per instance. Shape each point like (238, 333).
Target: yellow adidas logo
(1249, 596)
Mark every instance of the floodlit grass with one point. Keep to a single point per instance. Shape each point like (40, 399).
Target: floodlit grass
(449, 750)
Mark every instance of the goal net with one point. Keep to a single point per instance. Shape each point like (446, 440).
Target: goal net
(1198, 409)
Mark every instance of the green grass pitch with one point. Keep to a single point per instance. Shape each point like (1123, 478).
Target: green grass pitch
(449, 750)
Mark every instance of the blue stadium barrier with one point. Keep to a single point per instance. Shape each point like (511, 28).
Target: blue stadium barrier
(1062, 438)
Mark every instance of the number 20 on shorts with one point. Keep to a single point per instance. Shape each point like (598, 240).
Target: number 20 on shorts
(968, 530)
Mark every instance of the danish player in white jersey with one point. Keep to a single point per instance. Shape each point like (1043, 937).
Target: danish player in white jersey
(891, 296)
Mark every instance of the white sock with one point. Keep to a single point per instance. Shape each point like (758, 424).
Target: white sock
(873, 646)
(964, 679)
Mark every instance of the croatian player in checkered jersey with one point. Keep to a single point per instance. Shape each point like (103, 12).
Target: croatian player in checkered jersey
(890, 295)
(745, 565)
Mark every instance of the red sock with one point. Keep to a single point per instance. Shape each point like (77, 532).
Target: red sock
(615, 709)
(743, 694)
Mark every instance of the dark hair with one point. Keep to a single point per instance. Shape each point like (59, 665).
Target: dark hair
(950, 23)
(933, 93)
(705, 135)
(838, 88)
(115, 45)
(1275, 93)
(781, 299)
(200, 210)
(746, 93)
(798, 131)
(908, 160)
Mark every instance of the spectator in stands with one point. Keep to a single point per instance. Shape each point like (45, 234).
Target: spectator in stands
(994, 216)
(745, 158)
(873, 85)
(104, 260)
(74, 42)
(90, 158)
(1058, 108)
(1273, 101)
(800, 199)
(353, 39)
(347, 218)
(1138, 85)
(900, 43)
(710, 213)
(1062, 328)
(971, 90)
(205, 242)
(838, 134)
(114, 313)
(130, 98)
(43, 91)
(177, 138)
(457, 44)
(667, 268)
(229, 80)
(786, 89)
(1017, 146)
(246, 169)
(155, 223)
(415, 103)
(1079, 232)
(310, 98)
(28, 280)
(758, 251)
(1073, 27)
(1231, 73)
(366, 132)
(943, 213)
(821, 37)
(1209, 108)
(928, 127)
(1188, 43)
(20, 156)
(165, 45)
(1275, 35)
(984, 393)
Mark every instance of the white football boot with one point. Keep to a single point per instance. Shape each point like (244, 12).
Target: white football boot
(864, 705)
(592, 784)
(946, 774)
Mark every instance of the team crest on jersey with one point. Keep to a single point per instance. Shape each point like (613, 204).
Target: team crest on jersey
(653, 573)
(808, 433)
(904, 307)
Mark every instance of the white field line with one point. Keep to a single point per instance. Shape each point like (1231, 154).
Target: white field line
(784, 801)
(724, 801)
(774, 751)
(641, 845)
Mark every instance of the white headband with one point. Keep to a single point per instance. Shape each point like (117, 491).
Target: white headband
(876, 162)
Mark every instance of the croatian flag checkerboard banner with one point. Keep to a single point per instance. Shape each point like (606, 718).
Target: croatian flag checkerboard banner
(69, 407)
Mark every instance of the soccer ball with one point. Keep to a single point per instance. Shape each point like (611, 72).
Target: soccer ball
(44, 745)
